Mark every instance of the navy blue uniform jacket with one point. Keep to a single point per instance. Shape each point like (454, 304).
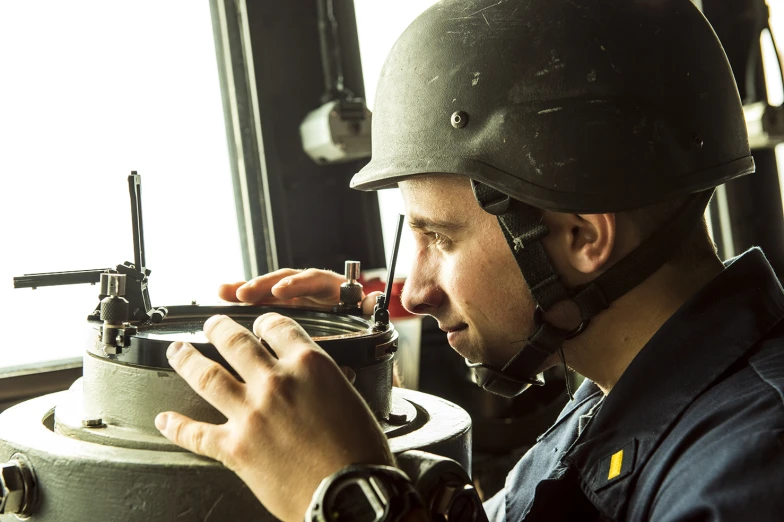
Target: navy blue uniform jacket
(693, 430)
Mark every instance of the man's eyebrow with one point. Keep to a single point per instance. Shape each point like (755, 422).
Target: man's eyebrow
(419, 223)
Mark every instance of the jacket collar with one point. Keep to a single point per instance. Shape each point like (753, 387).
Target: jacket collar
(714, 329)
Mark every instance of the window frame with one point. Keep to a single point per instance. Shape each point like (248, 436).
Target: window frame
(20, 383)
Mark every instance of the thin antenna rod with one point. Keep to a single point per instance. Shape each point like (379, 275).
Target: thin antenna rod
(393, 262)
(135, 188)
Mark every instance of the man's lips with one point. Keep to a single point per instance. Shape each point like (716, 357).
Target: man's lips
(454, 333)
(456, 328)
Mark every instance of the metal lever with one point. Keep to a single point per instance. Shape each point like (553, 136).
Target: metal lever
(74, 277)
(381, 310)
(135, 189)
(140, 308)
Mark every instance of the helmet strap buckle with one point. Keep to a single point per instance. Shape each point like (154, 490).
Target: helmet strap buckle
(539, 320)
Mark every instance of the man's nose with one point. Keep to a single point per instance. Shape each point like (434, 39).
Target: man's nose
(421, 293)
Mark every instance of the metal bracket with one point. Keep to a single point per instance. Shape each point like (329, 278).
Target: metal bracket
(137, 293)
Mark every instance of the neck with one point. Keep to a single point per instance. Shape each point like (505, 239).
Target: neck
(604, 351)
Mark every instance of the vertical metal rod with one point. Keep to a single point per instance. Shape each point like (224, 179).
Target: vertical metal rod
(393, 262)
(331, 59)
(135, 188)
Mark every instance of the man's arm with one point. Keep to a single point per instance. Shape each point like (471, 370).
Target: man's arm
(734, 480)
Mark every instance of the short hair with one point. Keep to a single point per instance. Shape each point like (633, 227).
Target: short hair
(696, 249)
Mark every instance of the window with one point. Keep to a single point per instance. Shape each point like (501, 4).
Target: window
(92, 90)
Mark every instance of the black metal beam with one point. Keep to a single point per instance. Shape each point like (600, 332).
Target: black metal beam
(295, 212)
(756, 211)
(753, 202)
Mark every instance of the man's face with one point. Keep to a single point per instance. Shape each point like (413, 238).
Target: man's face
(464, 274)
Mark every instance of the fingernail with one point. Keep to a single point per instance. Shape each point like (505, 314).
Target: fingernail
(161, 420)
(260, 319)
(173, 348)
(245, 286)
(282, 283)
(257, 325)
(209, 323)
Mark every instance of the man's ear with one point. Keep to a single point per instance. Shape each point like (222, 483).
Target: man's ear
(579, 244)
(593, 239)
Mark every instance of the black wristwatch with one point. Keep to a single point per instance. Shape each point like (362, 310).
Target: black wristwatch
(363, 494)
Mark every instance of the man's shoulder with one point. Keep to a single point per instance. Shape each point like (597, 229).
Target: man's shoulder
(727, 444)
(768, 363)
(747, 398)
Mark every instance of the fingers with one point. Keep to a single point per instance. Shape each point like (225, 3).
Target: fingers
(258, 289)
(241, 349)
(369, 302)
(228, 292)
(199, 437)
(208, 378)
(321, 285)
(283, 334)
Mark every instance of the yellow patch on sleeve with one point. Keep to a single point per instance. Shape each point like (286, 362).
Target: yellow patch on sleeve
(615, 465)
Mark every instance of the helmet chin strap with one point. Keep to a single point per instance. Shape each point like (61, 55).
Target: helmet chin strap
(524, 229)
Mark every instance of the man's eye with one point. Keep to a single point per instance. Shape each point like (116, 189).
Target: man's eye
(440, 239)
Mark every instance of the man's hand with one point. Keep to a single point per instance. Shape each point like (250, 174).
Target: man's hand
(309, 288)
(291, 423)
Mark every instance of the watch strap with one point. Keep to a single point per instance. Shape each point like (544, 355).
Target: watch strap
(363, 493)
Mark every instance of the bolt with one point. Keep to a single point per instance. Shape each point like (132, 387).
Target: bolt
(96, 422)
(459, 119)
(13, 486)
(396, 419)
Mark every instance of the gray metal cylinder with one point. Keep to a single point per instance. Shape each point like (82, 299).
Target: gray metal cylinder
(130, 397)
(80, 480)
(96, 454)
(113, 284)
(352, 271)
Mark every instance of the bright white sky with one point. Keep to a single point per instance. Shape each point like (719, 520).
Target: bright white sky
(92, 90)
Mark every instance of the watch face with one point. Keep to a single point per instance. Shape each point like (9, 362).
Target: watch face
(355, 501)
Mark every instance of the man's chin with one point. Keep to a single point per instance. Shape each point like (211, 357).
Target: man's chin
(487, 355)
(469, 352)
(475, 353)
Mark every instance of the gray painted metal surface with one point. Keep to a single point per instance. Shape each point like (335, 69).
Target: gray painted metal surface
(83, 481)
(86, 480)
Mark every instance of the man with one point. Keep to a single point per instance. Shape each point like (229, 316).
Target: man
(576, 143)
